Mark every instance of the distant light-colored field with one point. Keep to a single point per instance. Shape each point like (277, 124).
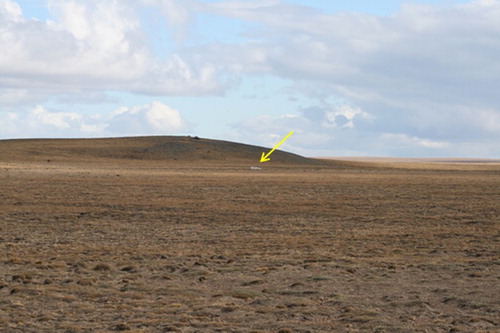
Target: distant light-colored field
(420, 163)
(415, 160)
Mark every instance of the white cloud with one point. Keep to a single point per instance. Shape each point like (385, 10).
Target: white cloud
(163, 118)
(11, 97)
(151, 119)
(10, 11)
(343, 117)
(179, 15)
(40, 122)
(327, 129)
(95, 40)
(154, 118)
(91, 46)
(57, 120)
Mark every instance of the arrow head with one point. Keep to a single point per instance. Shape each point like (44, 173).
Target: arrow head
(264, 158)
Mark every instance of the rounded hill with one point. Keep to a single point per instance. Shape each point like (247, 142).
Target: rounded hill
(152, 148)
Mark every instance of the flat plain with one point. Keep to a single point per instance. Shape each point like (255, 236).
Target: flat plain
(96, 236)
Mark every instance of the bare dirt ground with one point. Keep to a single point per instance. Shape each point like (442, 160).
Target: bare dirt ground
(166, 246)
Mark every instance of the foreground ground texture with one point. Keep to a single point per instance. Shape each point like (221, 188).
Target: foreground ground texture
(146, 247)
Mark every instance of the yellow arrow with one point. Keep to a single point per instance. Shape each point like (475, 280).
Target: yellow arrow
(265, 157)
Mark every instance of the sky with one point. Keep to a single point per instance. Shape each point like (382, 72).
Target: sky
(350, 78)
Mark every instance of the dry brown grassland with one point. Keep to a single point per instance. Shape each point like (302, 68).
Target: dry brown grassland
(151, 246)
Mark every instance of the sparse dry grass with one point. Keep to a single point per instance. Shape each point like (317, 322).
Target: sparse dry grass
(149, 247)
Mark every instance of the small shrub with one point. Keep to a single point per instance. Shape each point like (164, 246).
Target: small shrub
(102, 267)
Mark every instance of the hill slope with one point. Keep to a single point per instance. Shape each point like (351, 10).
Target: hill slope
(159, 148)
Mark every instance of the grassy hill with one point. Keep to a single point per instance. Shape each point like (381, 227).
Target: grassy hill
(154, 148)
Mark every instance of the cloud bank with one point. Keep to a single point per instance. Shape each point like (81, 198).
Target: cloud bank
(151, 119)
(88, 46)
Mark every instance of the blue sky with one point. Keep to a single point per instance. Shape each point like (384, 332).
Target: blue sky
(351, 78)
